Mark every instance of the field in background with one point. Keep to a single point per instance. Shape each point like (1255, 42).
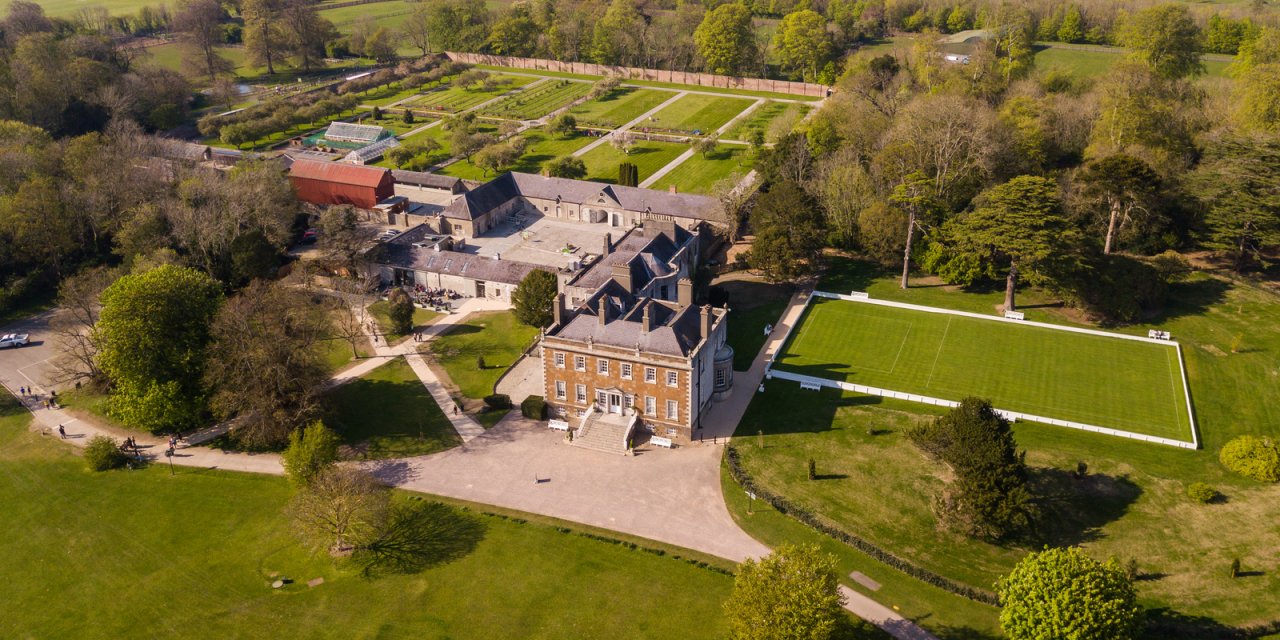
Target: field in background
(1108, 382)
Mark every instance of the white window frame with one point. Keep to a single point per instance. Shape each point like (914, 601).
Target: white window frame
(602, 366)
(651, 375)
(561, 390)
(559, 359)
(673, 409)
(626, 371)
(650, 406)
(580, 393)
(673, 378)
(579, 363)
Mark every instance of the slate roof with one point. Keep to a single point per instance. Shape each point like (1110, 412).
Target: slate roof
(338, 172)
(490, 195)
(401, 252)
(181, 150)
(424, 179)
(646, 251)
(674, 331)
(350, 131)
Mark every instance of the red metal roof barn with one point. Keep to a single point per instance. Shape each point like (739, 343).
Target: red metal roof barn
(340, 183)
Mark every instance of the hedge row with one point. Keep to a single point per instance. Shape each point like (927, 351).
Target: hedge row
(635, 547)
(813, 521)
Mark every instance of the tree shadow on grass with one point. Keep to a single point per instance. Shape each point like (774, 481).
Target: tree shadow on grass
(1076, 509)
(1190, 299)
(419, 535)
(947, 632)
(1166, 623)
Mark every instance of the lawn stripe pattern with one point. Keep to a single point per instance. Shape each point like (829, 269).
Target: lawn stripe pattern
(1098, 380)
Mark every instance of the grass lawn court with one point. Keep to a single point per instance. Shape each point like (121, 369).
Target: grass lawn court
(388, 413)
(497, 336)
(698, 112)
(699, 174)
(1108, 382)
(764, 117)
(540, 147)
(618, 107)
(140, 553)
(648, 156)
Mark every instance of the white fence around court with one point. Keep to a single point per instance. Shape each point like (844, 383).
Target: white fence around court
(807, 381)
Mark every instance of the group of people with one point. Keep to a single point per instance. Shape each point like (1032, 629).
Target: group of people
(49, 403)
(437, 299)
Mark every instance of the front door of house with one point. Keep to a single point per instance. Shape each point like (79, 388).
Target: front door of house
(479, 289)
(615, 403)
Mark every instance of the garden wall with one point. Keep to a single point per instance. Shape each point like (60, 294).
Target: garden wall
(655, 75)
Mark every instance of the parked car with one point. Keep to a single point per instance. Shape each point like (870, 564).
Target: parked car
(9, 340)
(309, 236)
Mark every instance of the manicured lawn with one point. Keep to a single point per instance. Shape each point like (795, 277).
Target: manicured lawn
(1102, 381)
(388, 413)
(699, 174)
(538, 101)
(1131, 505)
(697, 112)
(336, 352)
(948, 616)
(496, 336)
(454, 98)
(618, 107)
(752, 306)
(390, 14)
(381, 311)
(129, 553)
(539, 148)
(648, 156)
(68, 8)
(775, 119)
(1088, 63)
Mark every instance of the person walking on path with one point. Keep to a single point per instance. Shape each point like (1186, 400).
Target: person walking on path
(62, 432)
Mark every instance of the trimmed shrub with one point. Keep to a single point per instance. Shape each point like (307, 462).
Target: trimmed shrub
(497, 401)
(1201, 492)
(102, 453)
(1253, 457)
(534, 407)
(480, 362)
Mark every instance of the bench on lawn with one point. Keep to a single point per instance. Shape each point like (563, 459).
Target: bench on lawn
(1159, 335)
(810, 386)
(558, 425)
(656, 441)
(1015, 315)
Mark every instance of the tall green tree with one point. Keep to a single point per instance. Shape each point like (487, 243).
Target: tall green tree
(312, 449)
(1072, 27)
(1239, 183)
(1063, 593)
(1125, 189)
(803, 45)
(153, 331)
(1018, 227)
(1166, 39)
(263, 38)
(534, 298)
(565, 167)
(790, 594)
(616, 36)
(306, 33)
(515, 33)
(200, 23)
(989, 498)
(1258, 97)
(788, 233)
(915, 195)
(726, 39)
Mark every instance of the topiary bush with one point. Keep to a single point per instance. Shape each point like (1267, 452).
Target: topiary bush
(497, 401)
(1254, 457)
(534, 407)
(1201, 492)
(102, 453)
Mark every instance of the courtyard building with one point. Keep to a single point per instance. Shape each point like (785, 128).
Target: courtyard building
(336, 183)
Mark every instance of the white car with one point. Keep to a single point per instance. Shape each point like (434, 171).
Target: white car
(13, 340)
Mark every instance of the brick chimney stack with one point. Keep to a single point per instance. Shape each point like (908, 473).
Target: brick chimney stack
(557, 308)
(604, 310)
(707, 319)
(684, 292)
(645, 322)
(608, 244)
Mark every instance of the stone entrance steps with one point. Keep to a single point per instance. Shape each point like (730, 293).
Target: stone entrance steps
(607, 433)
